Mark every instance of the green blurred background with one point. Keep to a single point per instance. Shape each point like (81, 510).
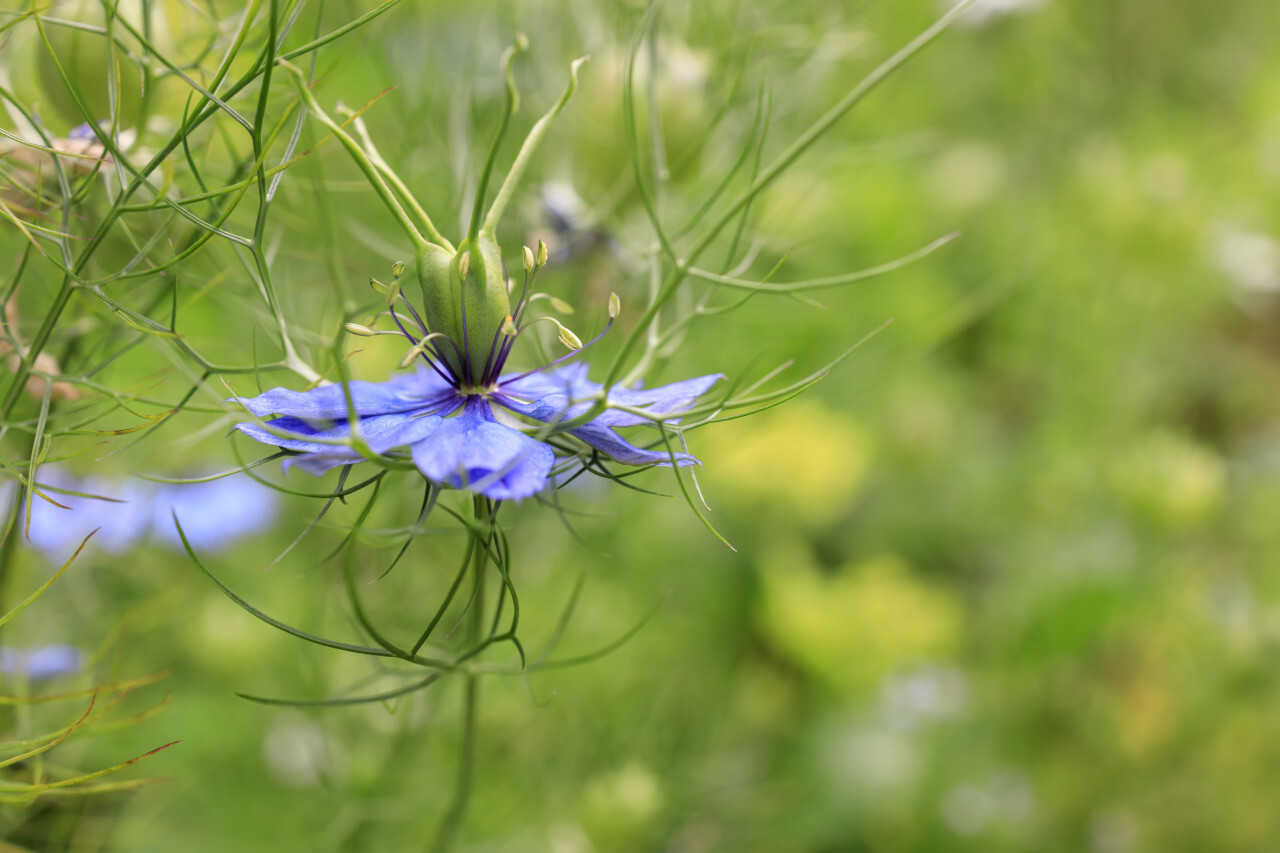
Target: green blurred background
(1004, 580)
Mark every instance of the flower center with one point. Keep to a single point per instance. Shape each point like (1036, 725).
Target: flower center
(482, 391)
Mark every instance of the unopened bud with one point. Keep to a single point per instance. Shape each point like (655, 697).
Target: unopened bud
(560, 305)
(397, 269)
(377, 285)
(357, 329)
(568, 338)
(529, 260)
(464, 265)
(615, 306)
(542, 254)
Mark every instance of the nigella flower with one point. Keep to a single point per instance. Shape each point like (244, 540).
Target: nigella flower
(41, 662)
(126, 512)
(466, 424)
(468, 436)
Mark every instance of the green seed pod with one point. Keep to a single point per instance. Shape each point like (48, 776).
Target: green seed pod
(487, 304)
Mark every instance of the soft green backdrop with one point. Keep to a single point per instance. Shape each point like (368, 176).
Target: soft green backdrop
(1005, 580)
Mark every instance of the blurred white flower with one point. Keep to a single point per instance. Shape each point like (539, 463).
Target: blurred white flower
(931, 694)
(871, 765)
(986, 11)
(1003, 798)
(1113, 832)
(1249, 259)
(968, 173)
(298, 754)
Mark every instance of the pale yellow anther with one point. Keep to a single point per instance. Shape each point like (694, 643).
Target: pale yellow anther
(567, 337)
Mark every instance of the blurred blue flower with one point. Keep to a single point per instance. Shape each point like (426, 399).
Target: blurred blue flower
(40, 662)
(467, 437)
(115, 514)
(126, 512)
(214, 514)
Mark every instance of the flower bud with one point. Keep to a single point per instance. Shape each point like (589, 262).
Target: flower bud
(615, 306)
(567, 337)
(529, 260)
(397, 269)
(357, 329)
(542, 254)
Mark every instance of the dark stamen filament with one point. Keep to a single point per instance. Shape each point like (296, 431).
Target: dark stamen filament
(562, 358)
(517, 315)
(422, 352)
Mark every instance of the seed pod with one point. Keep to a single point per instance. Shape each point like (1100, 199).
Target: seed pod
(476, 277)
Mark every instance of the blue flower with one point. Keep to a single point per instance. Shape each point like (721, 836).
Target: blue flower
(467, 437)
(214, 514)
(41, 662)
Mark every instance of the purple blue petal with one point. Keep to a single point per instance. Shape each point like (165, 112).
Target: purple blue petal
(470, 450)
(380, 432)
(570, 380)
(657, 402)
(407, 393)
(473, 451)
(598, 432)
(604, 439)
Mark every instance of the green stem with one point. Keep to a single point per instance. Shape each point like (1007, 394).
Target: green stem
(9, 536)
(452, 824)
(531, 142)
(680, 266)
(371, 173)
(508, 110)
(466, 763)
